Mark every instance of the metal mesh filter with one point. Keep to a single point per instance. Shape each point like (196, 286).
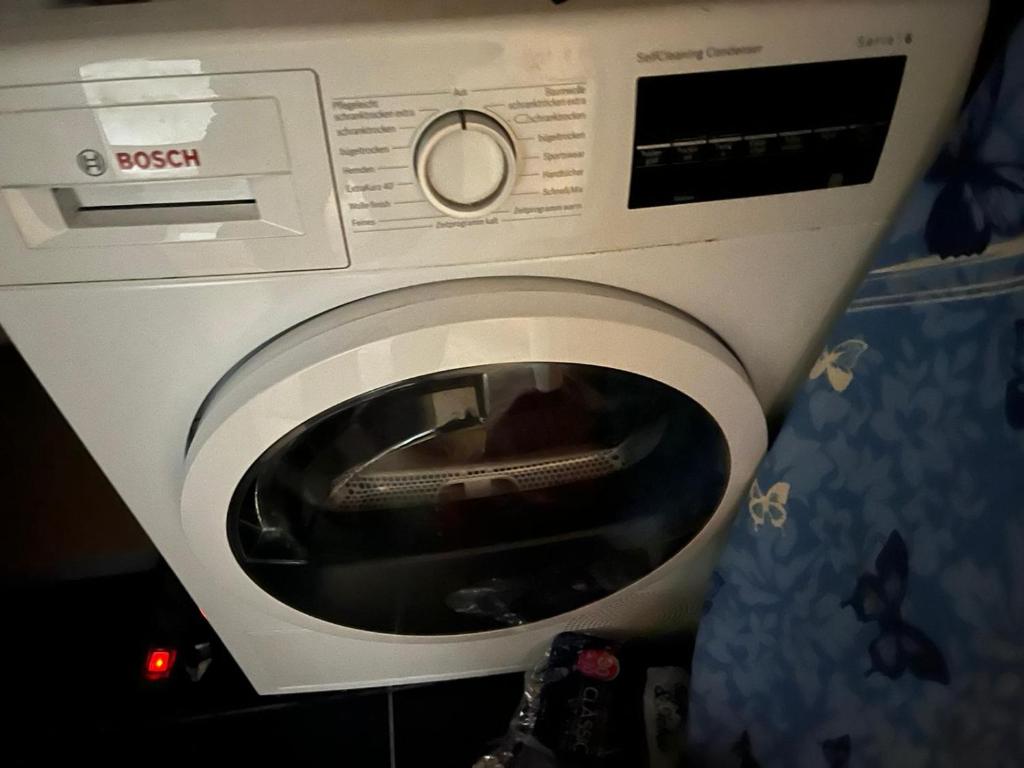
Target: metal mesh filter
(385, 490)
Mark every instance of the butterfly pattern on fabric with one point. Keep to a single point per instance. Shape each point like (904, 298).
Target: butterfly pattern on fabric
(981, 198)
(781, 655)
(768, 507)
(837, 363)
(899, 646)
(1015, 386)
(714, 585)
(837, 751)
(744, 751)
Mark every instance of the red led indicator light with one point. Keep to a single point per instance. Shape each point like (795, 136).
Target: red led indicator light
(159, 662)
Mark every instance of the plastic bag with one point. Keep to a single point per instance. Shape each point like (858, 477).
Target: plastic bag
(600, 703)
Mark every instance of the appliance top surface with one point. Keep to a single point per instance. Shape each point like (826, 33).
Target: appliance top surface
(234, 14)
(620, 126)
(26, 23)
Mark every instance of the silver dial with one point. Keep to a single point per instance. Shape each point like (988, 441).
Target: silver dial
(465, 163)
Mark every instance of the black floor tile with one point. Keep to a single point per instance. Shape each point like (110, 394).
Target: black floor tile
(71, 661)
(452, 724)
(341, 730)
(336, 730)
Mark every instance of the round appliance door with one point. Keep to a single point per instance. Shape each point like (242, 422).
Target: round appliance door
(469, 456)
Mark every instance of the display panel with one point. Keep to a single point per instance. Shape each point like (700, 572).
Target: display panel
(749, 132)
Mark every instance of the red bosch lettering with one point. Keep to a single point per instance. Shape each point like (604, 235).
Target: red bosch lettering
(156, 159)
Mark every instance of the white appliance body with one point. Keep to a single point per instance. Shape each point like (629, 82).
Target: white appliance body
(222, 221)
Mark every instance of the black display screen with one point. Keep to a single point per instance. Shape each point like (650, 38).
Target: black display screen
(765, 131)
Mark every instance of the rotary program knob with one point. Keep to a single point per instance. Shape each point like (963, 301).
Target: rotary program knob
(465, 163)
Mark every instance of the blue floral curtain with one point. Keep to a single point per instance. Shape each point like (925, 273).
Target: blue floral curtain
(869, 607)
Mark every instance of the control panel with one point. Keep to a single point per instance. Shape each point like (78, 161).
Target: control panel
(461, 158)
(761, 131)
(487, 135)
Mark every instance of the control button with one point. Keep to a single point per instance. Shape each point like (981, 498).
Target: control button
(465, 163)
(466, 167)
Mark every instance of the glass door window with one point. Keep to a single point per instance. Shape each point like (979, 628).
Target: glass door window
(478, 499)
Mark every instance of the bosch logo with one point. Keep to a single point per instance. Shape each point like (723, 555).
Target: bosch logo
(91, 162)
(156, 159)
